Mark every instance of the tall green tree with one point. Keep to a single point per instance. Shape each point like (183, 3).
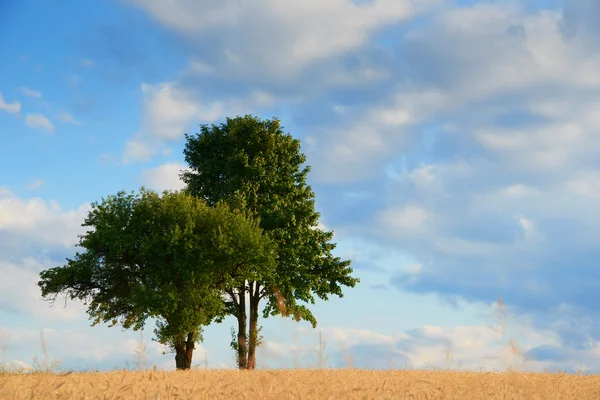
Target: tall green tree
(166, 257)
(252, 165)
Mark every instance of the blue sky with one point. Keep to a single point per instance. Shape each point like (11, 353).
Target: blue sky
(453, 147)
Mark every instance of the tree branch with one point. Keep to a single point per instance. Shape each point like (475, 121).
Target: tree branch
(231, 293)
(264, 293)
(257, 291)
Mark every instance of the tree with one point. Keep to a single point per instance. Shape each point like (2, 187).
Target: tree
(252, 165)
(166, 257)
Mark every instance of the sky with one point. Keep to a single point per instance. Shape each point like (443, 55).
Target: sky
(453, 147)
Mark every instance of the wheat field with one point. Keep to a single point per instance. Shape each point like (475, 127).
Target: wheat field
(298, 384)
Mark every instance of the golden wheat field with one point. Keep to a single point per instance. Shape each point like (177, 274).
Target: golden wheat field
(299, 384)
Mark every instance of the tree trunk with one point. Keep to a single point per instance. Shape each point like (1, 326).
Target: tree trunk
(253, 342)
(184, 351)
(242, 328)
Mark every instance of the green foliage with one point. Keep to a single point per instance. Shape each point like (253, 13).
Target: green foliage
(253, 166)
(259, 337)
(168, 257)
(234, 342)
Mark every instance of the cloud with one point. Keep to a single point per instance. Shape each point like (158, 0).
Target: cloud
(13, 108)
(237, 60)
(24, 275)
(66, 117)
(26, 224)
(31, 93)
(165, 177)
(379, 287)
(200, 67)
(36, 184)
(408, 220)
(521, 78)
(170, 109)
(39, 121)
(250, 34)
(98, 347)
(503, 186)
(470, 347)
(231, 54)
(167, 112)
(579, 20)
(485, 172)
(34, 235)
(361, 147)
(137, 151)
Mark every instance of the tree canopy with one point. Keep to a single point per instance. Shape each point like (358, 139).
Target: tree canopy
(169, 257)
(252, 165)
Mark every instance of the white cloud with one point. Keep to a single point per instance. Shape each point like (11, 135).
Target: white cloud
(31, 93)
(169, 110)
(518, 190)
(39, 121)
(36, 184)
(165, 177)
(87, 63)
(201, 67)
(24, 275)
(36, 221)
(353, 337)
(408, 220)
(587, 184)
(297, 35)
(98, 345)
(13, 108)
(530, 51)
(321, 226)
(414, 269)
(463, 347)
(504, 198)
(66, 117)
(253, 33)
(360, 148)
(527, 225)
(473, 347)
(348, 154)
(137, 151)
(513, 177)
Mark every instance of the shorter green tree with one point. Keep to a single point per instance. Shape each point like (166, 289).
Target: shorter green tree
(169, 258)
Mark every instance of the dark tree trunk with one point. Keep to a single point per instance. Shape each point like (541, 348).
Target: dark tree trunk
(253, 342)
(242, 329)
(184, 351)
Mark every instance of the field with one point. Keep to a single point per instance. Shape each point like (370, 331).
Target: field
(299, 384)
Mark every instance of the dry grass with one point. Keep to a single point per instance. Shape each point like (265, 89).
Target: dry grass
(299, 384)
